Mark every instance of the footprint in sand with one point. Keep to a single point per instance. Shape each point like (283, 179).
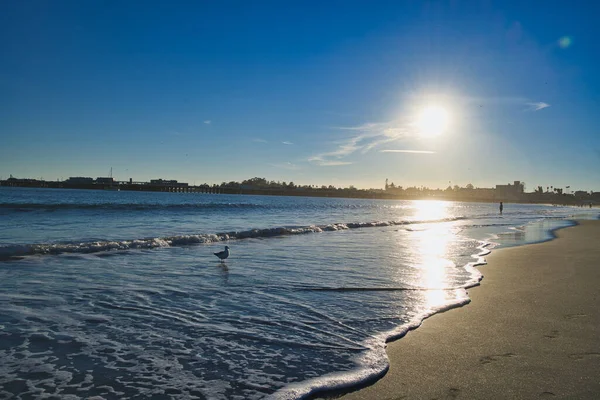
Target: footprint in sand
(495, 357)
(545, 395)
(553, 334)
(574, 316)
(583, 356)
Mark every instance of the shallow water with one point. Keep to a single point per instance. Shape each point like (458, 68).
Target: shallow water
(118, 295)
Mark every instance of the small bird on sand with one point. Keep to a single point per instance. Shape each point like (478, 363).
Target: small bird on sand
(223, 254)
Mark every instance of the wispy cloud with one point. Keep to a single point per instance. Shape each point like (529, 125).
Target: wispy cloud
(259, 140)
(208, 122)
(364, 138)
(408, 151)
(286, 165)
(506, 100)
(538, 106)
(287, 143)
(329, 163)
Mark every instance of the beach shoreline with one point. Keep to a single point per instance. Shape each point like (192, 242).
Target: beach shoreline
(531, 330)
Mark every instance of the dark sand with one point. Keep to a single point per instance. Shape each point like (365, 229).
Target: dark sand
(531, 331)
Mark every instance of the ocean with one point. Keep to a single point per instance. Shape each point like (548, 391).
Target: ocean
(117, 295)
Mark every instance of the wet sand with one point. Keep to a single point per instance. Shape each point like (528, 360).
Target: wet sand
(531, 331)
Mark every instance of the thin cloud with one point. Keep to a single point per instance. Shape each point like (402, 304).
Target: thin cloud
(408, 151)
(329, 163)
(365, 137)
(208, 122)
(538, 106)
(259, 140)
(286, 165)
(287, 143)
(506, 100)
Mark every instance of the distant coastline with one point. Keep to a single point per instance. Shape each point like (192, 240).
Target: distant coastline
(260, 186)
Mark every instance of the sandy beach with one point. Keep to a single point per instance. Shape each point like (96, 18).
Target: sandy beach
(532, 330)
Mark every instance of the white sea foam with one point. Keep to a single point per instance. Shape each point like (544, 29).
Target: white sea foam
(12, 251)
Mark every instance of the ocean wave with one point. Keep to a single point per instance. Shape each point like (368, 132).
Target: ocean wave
(21, 250)
(485, 225)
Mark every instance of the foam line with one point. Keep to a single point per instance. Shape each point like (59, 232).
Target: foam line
(14, 251)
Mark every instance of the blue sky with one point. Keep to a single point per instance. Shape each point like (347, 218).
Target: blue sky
(312, 92)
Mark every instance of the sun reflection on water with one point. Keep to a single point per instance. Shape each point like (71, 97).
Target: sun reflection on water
(431, 247)
(430, 210)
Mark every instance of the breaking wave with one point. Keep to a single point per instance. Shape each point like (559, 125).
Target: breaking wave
(20, 250)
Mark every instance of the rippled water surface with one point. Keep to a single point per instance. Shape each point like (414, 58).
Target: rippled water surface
(118, 295)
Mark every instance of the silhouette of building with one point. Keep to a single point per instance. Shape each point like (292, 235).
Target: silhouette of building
(78, 180)
(510, 192)
(102, 180)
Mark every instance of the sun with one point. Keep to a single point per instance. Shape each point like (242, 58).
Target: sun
(432, 121)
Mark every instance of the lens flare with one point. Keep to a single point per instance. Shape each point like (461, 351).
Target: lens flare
(565, 42)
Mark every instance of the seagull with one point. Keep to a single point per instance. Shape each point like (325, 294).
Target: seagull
(223, 254)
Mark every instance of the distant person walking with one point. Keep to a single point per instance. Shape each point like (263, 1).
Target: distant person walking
(501, 208)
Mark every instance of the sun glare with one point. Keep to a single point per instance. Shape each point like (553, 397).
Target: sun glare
(433, 245)
(432, 121)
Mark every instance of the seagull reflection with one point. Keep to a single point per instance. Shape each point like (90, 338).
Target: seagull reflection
(224, 272)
